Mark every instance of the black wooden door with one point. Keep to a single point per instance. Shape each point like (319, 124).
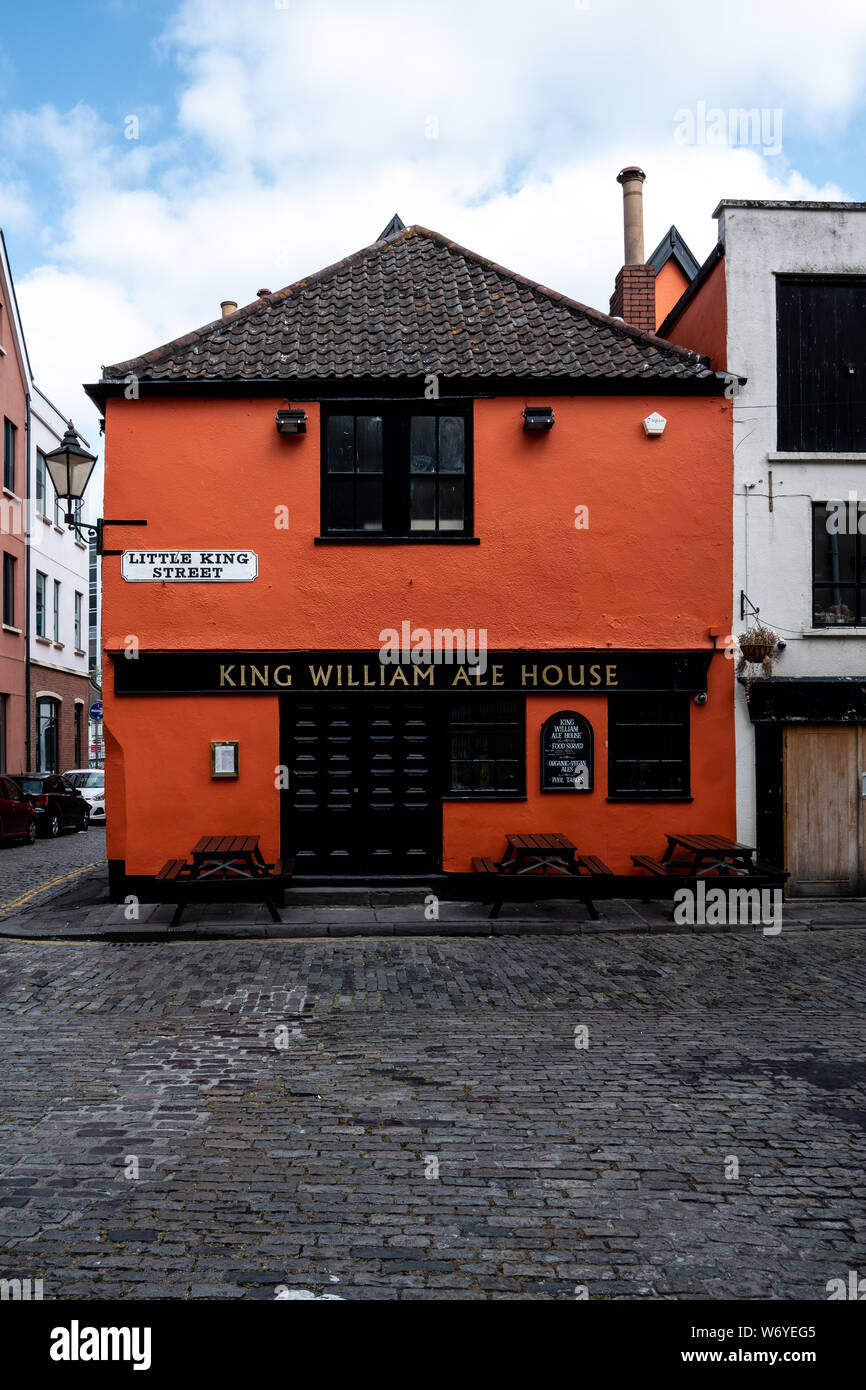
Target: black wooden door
(363, 795)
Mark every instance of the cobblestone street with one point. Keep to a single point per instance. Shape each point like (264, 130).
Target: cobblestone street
(31, 875)
(412, 1119)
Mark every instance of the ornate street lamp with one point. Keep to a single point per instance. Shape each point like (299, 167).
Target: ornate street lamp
(70, 466)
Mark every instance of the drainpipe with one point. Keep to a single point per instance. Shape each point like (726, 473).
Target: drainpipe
(27, 677)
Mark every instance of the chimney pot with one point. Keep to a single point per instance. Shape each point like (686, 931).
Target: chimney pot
(263, 294)
(228, 306)
(632, 180)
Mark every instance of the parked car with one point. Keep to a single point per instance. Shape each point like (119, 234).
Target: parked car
(58, 805)
(17, 814)
(90, 781)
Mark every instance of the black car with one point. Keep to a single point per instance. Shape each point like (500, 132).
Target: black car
(58, 805)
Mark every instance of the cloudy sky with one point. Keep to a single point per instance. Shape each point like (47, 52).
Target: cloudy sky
(157, 156)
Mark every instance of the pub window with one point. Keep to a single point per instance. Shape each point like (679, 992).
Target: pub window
(8, 589)
(821, 364)
(838, 567)
(648, 746)
(487, 741)
(10, 433)
(57, 610)
(79, 599)
(401, 470)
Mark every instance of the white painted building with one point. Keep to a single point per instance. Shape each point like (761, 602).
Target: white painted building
(782, 302)
(59, 607)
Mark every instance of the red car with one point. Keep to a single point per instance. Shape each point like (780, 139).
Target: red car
(17, 816)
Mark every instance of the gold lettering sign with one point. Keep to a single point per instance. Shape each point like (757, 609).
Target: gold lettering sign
(240, 676)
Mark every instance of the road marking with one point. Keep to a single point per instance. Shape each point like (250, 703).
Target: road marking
(51, 883)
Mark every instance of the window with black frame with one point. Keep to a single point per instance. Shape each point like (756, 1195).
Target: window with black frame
(486, 747)
(398, 470)
(838, 567)
(648, 747)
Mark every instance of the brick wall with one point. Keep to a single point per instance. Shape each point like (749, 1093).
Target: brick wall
(68, 688)
(634, 297)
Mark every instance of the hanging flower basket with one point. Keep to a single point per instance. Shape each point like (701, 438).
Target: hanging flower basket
(756, 652)
(758, 648)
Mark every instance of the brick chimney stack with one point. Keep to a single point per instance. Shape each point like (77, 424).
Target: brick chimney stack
(634, 296)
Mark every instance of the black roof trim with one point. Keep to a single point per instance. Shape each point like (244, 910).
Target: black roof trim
(673, 246)
(395, 225)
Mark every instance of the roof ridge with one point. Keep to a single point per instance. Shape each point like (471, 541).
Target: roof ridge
(618, 326)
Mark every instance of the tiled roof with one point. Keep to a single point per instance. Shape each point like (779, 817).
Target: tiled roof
(411, 304)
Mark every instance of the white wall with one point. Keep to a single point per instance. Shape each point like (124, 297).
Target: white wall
(773, 549)
(58, 554)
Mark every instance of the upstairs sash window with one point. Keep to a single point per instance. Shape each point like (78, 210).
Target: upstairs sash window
(397, 471)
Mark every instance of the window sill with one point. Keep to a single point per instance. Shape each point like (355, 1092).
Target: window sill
(46, 641)
(43, 517)
(81, 545)
(59, 529)
(485, 796)
(837, 630)
(825, 456)
(7, 627)
(427, 539)
(59, 645)
(79, 651)
(7, 492)
(639, 800)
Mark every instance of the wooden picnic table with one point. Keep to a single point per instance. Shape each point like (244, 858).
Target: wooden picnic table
(535, 866)
(225, 856)
(705, 854)
(546, 854)
(226, 868)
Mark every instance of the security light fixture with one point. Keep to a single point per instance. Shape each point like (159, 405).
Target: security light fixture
(654, 425)
(69, 468)
(291, 422)
(538, 417)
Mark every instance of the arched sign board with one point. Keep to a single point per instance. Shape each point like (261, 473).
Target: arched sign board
(566, 753)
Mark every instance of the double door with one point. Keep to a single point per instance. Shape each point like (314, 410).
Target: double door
(363, 795)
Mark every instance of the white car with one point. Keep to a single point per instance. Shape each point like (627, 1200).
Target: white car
(90, 781)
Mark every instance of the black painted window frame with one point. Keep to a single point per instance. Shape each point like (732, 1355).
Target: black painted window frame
(476, 727)
(820, 368)
(10, 450)
(396, 475)
(653, 713)
(821, 514)
(9, 589)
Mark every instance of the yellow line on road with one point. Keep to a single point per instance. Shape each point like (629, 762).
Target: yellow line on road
(51, 883)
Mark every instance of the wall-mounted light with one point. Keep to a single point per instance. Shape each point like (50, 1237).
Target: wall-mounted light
(654, 425)
(538, 417)
(291, 422)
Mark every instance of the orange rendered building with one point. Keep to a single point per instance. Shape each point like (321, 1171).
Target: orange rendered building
(372, 568)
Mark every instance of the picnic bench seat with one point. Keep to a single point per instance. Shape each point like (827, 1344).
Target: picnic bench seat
(508, 884)
(227, 869)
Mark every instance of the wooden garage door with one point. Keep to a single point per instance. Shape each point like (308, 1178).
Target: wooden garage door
(823, 809)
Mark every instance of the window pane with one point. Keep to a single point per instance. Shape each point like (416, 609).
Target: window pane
(451, 450)
(422, 447)
(369, 504)
(834, 606)
(833, 554)
(341, 504)
(341, 443)
(423, 504)
(369, 444)
(451, 516)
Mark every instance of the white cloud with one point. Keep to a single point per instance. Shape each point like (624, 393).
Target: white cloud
(301, 130)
